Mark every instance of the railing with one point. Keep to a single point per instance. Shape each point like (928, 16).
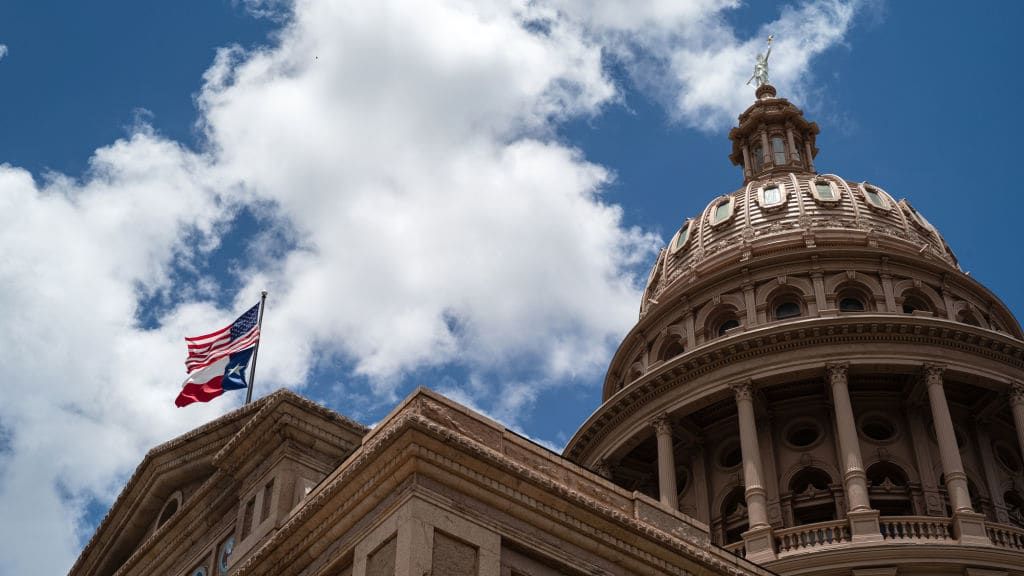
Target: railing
(1005, 536)
(916, 528)
(737, 548)
(812, 536)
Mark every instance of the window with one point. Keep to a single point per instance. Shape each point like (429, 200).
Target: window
(887, 489)
(850, 304)
(796, 151)
(722, 211)
(250, 506)
(682, 236)
(169, 509)
(771, 196)
(918, 219)
(199, 571)
(758, 158)
(1008, 457)
(734, 515)
(672, 349)
(778, 151)
(875, 198)
(728, 325)
(913, 303)
(823, 191)
(268, 496)
(803, 434)
(787, 310)
(731, 456)
(224, 554)
(878, 428)
(813, 500)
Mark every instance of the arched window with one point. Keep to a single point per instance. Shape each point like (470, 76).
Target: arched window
(778, 151)
(1014, 508)
(851, 304)
(727, 325)
(672, 348)
(734, 516)
(852, 297)
(888, 489)
(913, 302)
(786, 307)
(169, 509)
(813, 501)
(967, 317)
(758, 155)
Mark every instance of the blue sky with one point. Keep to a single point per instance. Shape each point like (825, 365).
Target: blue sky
(463, 195)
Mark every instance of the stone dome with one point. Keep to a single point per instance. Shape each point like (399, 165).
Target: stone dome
(794, 211)
(814, 378)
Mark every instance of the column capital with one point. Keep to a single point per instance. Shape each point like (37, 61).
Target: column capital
(837, 371)
(662, 425)
(744, 389)
(1016, 393)
(933, 373)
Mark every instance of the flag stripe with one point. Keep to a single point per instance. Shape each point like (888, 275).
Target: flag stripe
(250, 339)
(215, 333)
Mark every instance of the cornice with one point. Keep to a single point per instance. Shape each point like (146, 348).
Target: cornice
(769, 340)
(331, 506)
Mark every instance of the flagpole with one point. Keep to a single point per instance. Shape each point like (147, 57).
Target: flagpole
(256, 350)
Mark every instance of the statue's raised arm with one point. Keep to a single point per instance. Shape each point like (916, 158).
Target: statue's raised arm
(760, 76)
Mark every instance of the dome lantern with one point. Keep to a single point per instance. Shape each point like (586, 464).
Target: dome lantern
(773, 137)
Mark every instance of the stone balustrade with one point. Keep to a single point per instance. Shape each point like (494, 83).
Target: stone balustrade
(812, 536)
(1005, 536)
(912, 528)
(737, 548)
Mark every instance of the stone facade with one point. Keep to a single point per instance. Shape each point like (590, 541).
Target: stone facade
(813, 387)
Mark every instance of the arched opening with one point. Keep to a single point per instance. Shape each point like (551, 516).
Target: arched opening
(734, 516)
(889, 490)
(167, 512)
(914, 302)
(967, 317)
(721, 321)
(673, 347)
(787, 309)
(813, 500)
(1014, 508)
(853, 298)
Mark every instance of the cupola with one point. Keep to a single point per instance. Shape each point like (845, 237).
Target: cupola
(773, 137)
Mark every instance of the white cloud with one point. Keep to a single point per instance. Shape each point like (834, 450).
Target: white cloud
(3, 51)
(688, 55)
(407, 149)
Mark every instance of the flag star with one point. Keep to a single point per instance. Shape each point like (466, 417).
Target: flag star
(236, 369)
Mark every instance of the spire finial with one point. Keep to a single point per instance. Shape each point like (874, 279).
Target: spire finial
(760, 76)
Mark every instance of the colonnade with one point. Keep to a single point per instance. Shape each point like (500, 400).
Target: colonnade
(968, 524)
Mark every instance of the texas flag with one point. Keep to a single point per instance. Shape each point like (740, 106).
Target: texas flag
(217, 361)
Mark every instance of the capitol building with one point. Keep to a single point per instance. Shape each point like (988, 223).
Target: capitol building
(813, 387)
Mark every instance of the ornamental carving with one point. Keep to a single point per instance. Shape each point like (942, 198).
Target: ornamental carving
(837, 372)
(1016, 394)
(662, 425)
(933, 374)
(743, 390)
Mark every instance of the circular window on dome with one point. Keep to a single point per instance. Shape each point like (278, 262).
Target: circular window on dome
(803, 434)
(1008, 457)
(721, 212)
(200, 571)
(875, 198)
(681, 237)
(878, 428)
(730, 456)
(224, 554)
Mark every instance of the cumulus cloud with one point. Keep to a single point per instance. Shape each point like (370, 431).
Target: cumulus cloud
(405, 152)
(690, 57)
(3, 51)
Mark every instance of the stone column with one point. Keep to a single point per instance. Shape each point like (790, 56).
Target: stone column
(820, 300)
(700, 482)
(968, 525)
(863, 520)
(988, 464)
(766, 150)
(792, 144)
(747, 168)
(810, 158)
(919, 440)
(666, 462)
(1017, 406)
(759, 542)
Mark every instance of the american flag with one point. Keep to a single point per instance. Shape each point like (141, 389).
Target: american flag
(241, 334)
